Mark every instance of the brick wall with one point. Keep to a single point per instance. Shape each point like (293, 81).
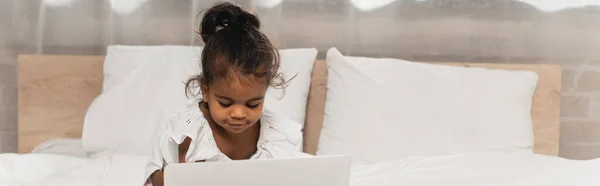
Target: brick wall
(580, 110)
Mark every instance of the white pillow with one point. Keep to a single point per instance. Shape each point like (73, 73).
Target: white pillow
(122, 60)
(139, 96)
(126, 116)
(386, 109)
(291, 101)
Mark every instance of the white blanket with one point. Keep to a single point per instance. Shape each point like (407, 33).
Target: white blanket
(480, 169)
(60, 170)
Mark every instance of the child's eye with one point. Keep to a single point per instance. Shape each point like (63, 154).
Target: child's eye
(252, 106)
(224, 105)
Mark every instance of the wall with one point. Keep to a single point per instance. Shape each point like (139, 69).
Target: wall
(561, 32)
(8, 77)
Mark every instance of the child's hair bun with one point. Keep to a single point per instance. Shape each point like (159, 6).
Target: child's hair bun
(233, 43)
(226, 16)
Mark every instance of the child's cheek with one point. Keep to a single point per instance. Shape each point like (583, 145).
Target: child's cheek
(219, 115)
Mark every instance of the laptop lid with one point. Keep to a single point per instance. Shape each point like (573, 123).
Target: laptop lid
(305, 171)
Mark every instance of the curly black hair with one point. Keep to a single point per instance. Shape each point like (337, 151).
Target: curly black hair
(234, 45)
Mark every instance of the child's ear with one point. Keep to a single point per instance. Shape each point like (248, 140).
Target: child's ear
(204, 89)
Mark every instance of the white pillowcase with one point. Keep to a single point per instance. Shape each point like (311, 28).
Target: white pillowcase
(144, 86)
(136, 99)
(122, 60)
(291, 101)
(387, 109)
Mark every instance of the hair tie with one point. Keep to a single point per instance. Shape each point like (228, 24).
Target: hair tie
(225, 23)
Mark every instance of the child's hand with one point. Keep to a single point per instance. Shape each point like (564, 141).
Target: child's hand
(157, 178)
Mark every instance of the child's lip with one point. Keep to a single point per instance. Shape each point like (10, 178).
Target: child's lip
(235, 125)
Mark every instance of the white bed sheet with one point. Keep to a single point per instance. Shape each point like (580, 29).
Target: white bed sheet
(62, 146)
(480, 169)
(59, 170)
(476, 169)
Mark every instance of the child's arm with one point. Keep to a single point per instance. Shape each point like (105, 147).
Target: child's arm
(157, 178)
(183, 148)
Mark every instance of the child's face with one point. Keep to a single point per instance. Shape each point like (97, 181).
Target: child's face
(234, 105)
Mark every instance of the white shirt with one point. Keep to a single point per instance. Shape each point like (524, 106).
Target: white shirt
(279, 137)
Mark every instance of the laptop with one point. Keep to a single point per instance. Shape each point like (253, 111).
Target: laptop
(304, 171)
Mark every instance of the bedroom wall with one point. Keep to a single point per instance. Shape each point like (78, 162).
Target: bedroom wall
(561, 32)
(8, 80)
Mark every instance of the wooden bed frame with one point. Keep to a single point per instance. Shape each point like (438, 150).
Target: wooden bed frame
(55, 92)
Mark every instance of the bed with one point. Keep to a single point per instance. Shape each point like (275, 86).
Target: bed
(53, 101)
(55, 92)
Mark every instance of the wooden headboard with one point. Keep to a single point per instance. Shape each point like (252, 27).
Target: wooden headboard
(55, 92)
(54, 95)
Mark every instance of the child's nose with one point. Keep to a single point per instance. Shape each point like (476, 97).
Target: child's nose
(238, 113)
